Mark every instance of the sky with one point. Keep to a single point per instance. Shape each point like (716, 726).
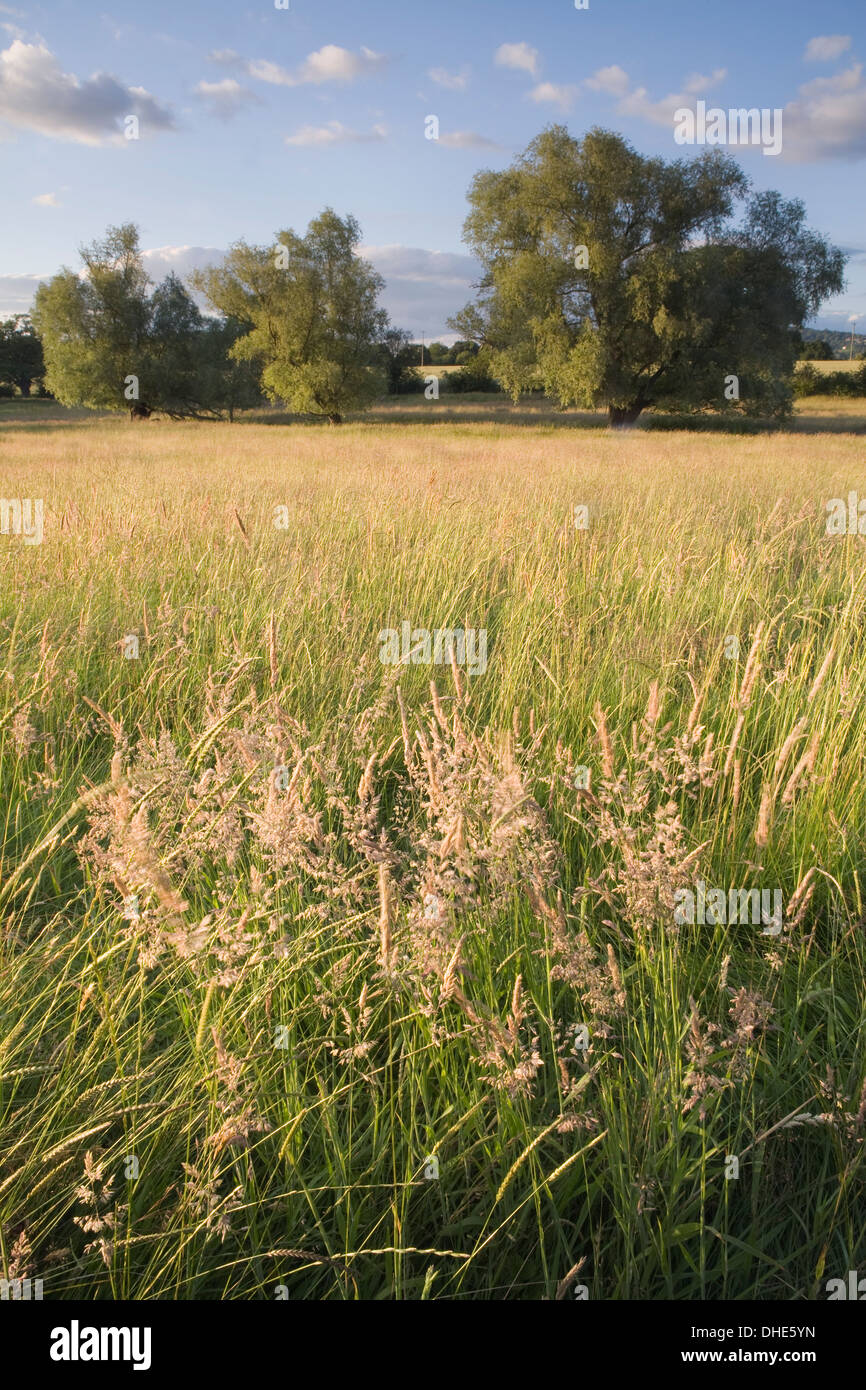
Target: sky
(252, 118)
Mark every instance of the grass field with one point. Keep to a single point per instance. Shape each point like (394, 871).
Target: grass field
(842, 364)
(337, 977)
(436, 368)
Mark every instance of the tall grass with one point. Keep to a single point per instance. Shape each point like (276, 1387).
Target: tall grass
(286, 993)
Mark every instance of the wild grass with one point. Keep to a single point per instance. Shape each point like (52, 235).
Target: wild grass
(286, 925)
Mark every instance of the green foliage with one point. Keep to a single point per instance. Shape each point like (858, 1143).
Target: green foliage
(398, 355)
(463, 351)
(437, 354)
(809, 382)
(104, 328)
(21, 360)
(458, 355)
(815, 350)
(471, 377)
(95, 327)
(309, 308)
(619, 280)
(192, 370)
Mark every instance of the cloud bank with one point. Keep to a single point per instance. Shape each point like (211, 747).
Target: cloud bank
(37, 95)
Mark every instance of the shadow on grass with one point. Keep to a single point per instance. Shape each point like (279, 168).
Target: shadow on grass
(814, 415)
(39, 413)
(478, 409)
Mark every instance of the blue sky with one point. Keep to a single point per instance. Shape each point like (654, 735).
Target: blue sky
(253, 118)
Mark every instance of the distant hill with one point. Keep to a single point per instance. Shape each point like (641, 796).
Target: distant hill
(839, 341)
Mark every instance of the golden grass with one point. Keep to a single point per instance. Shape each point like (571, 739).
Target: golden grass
(430, 903)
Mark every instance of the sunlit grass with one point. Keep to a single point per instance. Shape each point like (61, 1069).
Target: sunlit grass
(463, 518)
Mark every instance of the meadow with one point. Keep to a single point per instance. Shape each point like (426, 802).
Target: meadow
(841, 364)
(328, 979)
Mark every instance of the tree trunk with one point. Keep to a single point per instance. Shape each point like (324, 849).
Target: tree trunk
(335, 419)
(621, 416)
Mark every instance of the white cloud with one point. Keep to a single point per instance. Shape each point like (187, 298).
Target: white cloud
(264, 71)
(561, 96)
(661, 112)
(328, 64)
(333, 64)
(467, 140)
(454, 81)
(226, 98)
(519, 56)
(831, 318)
(423, 288)
(413, 263)
(37, 95)
(10, 28)
(612, 80)
(16, 293)
(159, 260)
(637, 101)
(827, 119)
(826, 48)
(335, 133)
(46, 200)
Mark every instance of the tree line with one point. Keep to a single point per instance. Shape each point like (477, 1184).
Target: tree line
(22, 364)
(609, 279)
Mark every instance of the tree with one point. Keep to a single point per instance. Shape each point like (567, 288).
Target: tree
(309, 307)
(437, 354)
(174, 336)
(21, 360)
(112, 342)
(190, 371)
(815, 350)
(230, 385)
(94, 327)
(612, 279)
(398, 355)
(463, 351)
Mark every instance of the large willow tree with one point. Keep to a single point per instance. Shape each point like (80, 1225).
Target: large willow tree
(621, 281)
(309, 308)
